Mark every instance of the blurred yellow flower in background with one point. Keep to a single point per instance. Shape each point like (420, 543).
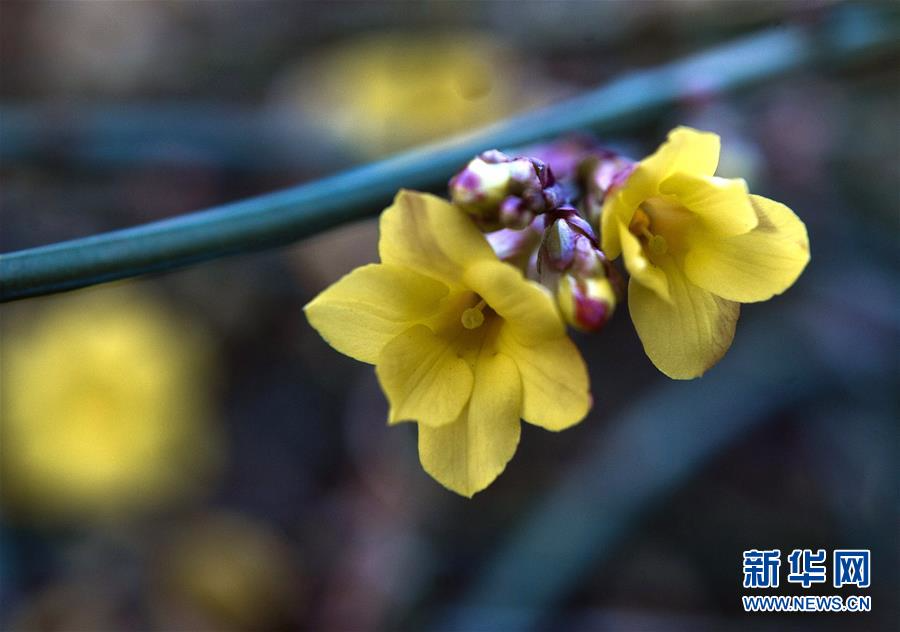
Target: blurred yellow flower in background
(384, 92)
(226, 572)
(696, 246)
(104, 407)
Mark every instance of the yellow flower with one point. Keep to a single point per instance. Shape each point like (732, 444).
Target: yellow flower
(224, 572)
(462, 343)
(103, 407)
(696, 246)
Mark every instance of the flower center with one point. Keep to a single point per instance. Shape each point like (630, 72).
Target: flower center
(473, 317)
(661, 225)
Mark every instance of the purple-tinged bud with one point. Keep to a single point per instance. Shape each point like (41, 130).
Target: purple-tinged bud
(565, 155)
(607, 172)
(503, 192)
(570, 260)
(576, 221)
(544, 173)
(558, 248)
(588, 261)
(515, 214)
(581, 162)
(517, 246)
(554, 196)
(619, 177)
(481, 184)
(586, 304)
(569, 244)
(494, 156)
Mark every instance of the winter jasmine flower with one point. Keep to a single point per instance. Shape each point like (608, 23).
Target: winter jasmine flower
(696, 247)
(463, 344)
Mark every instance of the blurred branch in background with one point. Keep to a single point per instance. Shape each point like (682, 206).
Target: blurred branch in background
(286, 216)
(114, 135)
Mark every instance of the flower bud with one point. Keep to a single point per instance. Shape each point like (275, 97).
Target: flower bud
(558, 248)
(514, 213)
(517, 247)
(503, 192)
(605, 172)
(565, 154)
(571, 261)
(586, 304)
(608, 171)
(588, 261)
(570, 244)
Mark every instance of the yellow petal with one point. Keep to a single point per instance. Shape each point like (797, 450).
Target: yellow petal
(755, 266)
(722, 204)
(609, 229)
(686, 150)
(686, 337)
(621, 205)
(367, 308)
(526, 306)
(425, 233)
(640, 267)
(555, 386)
(468, 454)
(423, 377)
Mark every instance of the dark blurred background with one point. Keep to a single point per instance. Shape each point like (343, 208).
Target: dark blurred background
(183, 452)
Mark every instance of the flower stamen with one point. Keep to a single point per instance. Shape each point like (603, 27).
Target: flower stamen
(658, 245)
(473, 317)
(641, 227)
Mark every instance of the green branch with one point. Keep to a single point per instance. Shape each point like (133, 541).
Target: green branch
(286, 216)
